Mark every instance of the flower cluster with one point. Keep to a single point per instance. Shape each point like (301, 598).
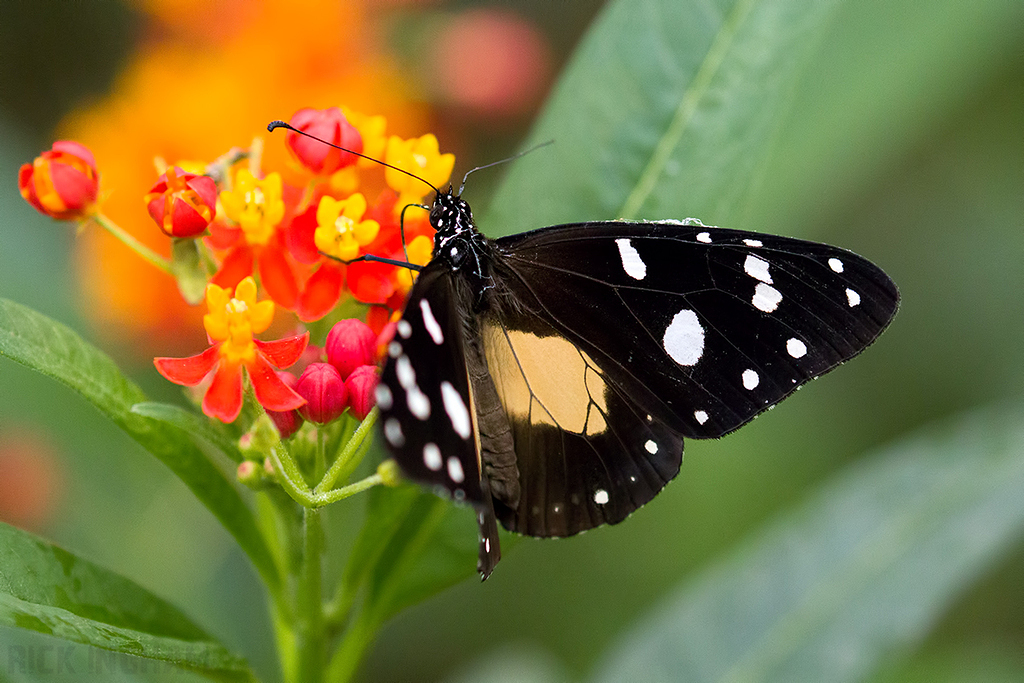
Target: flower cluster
(240, 231)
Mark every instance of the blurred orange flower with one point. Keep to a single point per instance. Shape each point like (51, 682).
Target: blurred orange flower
(195, 92)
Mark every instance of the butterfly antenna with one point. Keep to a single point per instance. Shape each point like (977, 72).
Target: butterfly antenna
(502, 161)
(274, 125)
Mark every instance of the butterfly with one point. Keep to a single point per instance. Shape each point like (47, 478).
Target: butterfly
(549, 378)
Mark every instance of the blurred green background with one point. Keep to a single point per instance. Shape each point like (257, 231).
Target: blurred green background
(904, 143)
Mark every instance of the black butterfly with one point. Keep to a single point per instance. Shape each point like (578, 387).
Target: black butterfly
(549, 378)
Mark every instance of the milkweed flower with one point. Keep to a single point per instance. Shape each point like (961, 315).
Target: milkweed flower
(288, 421)
(420, 156)
(257, 206)
(182, 204)
(350, 344)
(230, 324)
(341, 230)
(331, 126)
(61, 182)
(324, 391)
(360, 386)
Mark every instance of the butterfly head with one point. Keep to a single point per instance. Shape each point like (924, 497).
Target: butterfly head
(450, 213)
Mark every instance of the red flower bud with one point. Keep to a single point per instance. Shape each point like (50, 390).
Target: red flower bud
(182, 204)
(331, 126)
(62, 182)
(350, 343)
(324, 391)
(288, 421)
(360, 386)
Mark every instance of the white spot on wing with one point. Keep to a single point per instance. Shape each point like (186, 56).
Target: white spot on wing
(757, 268)
(406, 375)
(796, 348)
(701, 416)
(430, 322)
(766, 298)
(631, 261)
(456, 409)
(394, 349)
(835, 264)
(404, 329)
(419, 404)
(684, 338)
(853, 297)
(393, 432)
(455, 472)
(704, 237)
(432, 457)
(753, 243)
(651, 447)
(600, 496)
(750, 380)
(384, 398)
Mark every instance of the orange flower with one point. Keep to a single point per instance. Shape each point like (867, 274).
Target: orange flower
(257, 206)
(331, 126)
(231, 324)
(204, 48)
(62, 182)
(182, 204)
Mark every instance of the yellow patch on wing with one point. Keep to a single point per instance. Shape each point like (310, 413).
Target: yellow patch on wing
(548, 374)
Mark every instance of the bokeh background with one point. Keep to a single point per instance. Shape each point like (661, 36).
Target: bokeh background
(905, 143)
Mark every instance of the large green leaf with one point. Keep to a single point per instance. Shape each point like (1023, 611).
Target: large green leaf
(54, 350)
(861, 570)
(46, 589)
(668, 109)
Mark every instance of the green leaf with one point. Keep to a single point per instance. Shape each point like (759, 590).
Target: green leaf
(668, 109)
(46, 589)
(190, 423)
(412, 545)
(56, 351)
(859, 571)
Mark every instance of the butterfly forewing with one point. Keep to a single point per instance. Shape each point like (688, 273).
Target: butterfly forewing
(426, 404)
(702, 328)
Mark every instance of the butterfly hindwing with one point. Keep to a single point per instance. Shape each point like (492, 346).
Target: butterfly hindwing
(586, 453)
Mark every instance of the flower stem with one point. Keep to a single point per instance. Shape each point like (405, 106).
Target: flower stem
(309, 601)
(341, 463)
(135, 245)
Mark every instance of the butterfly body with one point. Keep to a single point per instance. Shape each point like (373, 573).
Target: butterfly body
(549, 378)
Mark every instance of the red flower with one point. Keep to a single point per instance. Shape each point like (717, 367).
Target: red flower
(288, 421)
(329, 125)
(182, 204)
(324, 391)
(62, 182)
(257, 206)
(350, 343)
(360, 386)
(231, 323)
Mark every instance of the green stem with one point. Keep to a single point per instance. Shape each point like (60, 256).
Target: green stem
(309, 602)
(346, 456)
(320, 465)
(291, 481)
(129, 241)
